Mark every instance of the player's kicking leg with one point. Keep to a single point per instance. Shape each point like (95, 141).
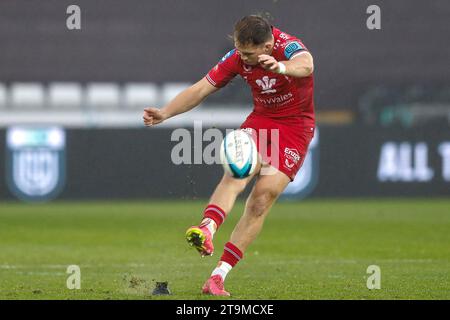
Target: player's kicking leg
(264, 194)
(220, 204)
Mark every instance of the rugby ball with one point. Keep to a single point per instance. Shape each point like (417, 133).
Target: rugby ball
(238, 154)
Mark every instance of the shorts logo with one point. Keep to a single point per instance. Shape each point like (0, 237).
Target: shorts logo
(292, 157)
(288, 165)
(35, 162)
(292, 48)
(308, 175)
(266, 84)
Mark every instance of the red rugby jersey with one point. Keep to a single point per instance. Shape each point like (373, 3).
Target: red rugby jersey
(274, 95)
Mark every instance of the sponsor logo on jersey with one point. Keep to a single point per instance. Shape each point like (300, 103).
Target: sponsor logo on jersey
(35, 162)
(279, 100)
(266, 84)
(292, 48)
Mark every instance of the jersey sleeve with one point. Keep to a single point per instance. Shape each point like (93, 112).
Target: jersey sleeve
(224, 70)
(293, 47)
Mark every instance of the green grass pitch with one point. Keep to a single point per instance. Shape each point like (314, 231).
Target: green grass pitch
(315, 249)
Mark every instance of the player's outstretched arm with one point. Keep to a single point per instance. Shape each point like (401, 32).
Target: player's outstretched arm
(300, 66)
(184, 101)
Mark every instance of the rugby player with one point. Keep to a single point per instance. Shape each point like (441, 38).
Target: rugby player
(278, 68)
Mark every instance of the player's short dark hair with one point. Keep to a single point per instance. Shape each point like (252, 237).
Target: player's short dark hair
(252, 30)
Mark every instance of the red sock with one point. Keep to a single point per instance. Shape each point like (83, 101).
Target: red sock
(215, 213)
(231, 254)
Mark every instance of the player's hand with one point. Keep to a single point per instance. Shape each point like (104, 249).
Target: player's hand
(268, 62)
(153, 116)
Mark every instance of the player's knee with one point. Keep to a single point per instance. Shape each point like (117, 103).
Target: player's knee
(237, 185)
(256, 208)
(260, 201)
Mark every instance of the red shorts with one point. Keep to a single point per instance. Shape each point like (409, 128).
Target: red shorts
(286, 138)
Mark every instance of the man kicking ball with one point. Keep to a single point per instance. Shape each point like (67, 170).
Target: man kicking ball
(278, 68)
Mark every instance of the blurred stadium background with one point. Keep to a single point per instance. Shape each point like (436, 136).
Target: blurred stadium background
(71, 101)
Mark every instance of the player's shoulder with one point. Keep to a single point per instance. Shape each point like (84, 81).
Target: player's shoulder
(230, 57)
(287, 45)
